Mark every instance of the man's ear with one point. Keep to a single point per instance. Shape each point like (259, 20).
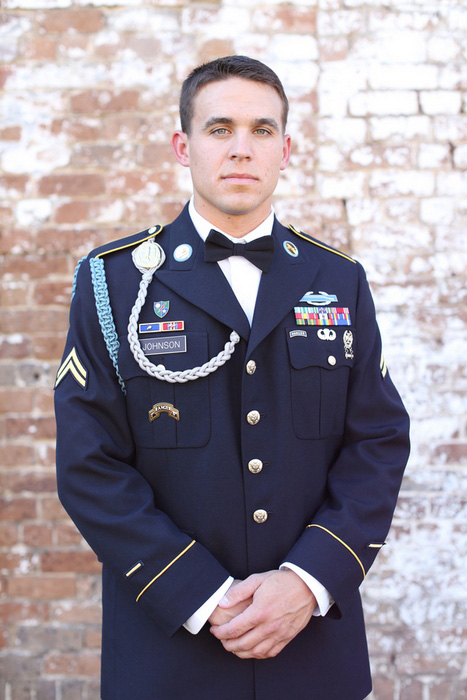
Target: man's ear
(180, 148)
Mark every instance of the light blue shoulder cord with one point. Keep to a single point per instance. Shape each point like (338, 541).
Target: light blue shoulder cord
(104, 313)
(75, 278)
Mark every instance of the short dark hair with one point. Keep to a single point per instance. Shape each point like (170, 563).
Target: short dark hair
(221, 69)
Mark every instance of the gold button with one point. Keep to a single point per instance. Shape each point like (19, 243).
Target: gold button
(251, 367)
(255, 466)
(260, 516)
(253, 417)
(332, 360)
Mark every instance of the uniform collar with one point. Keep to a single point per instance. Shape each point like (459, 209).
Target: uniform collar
(203, 226)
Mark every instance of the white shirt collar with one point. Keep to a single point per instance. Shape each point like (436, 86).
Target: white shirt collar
(203, 226)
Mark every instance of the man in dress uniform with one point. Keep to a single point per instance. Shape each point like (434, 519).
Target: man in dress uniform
(230, 442)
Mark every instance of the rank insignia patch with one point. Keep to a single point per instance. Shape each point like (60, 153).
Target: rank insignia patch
(162, 326)
(317, 316)
(73, 365)
(161, 308)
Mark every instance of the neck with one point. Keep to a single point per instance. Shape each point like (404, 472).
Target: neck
(236, 225)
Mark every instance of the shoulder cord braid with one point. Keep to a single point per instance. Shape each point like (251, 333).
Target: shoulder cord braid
(159, 371)
(75, 277)
(104, 313)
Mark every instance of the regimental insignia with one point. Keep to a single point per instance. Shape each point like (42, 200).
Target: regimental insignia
(72, 364)
(162, 407)
(348, 345)
(183, 252)
(161, 308)
(291, 248)
(162, 327)
(317, 316)
(320, 299)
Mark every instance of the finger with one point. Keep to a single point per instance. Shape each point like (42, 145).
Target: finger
(240, 591)
(240, 625)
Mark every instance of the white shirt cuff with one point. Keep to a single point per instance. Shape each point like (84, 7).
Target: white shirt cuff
(323, 598)
(202, 615)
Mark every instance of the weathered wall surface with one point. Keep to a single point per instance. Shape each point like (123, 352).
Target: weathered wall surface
(88, 95)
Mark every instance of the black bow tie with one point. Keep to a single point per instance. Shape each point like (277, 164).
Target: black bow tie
(259, 252)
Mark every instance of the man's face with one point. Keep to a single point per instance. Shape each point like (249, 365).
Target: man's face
(235, 150)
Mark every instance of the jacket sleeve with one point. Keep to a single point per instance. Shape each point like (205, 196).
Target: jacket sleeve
(344, 536)
(165, 570)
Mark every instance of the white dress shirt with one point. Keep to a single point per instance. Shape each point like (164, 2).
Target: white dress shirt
(244, 278)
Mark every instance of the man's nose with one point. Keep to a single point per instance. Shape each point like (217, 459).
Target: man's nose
(240, 147)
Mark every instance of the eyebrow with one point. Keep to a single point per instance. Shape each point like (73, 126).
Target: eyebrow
(263, 121)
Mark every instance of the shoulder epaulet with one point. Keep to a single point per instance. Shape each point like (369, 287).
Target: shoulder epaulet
(308, 238)
(127, 242)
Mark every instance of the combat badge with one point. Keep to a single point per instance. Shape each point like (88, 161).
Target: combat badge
(320, 299)
(162, 407)
(161, 308)
(348, 345)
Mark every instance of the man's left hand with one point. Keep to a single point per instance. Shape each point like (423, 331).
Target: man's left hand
(282, 606)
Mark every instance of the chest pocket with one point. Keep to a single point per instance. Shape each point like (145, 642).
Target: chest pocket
(320, 368)
(190, 400)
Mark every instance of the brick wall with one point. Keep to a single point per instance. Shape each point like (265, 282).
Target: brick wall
(88, 97)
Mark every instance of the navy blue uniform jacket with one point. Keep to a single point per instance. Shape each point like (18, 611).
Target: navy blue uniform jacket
(168, 504)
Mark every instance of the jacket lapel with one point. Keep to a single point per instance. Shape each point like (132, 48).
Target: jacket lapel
(202, 284)
(281, 288)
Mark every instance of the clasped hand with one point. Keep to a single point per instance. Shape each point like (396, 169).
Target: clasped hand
(260, 615)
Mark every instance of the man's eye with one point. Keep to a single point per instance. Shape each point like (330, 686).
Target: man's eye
(262, 132)
(221, 131)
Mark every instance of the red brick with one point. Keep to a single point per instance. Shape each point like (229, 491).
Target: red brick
(383, 688)
(47, 293)
(9, 563)
(77, 129)
(37, 535)
(8, 535)
(72, 664)
(17, 321)
(39, 587)
(71, 184)
(93, 638)
(18, 455)
(72, 212)
(86, 21)
(122, 155)
(17, 509)
(10, 133)
(39, 428)
(412, 690)
(285, 19)
(67, 534)
(31, 481)
(37, 48)
(104, 101)
(15, 350)
(65, 561)
(12, 612)
(156, 155)
(52, 510)
(77, 613)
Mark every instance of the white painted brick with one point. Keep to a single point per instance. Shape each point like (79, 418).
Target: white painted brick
(440, 102)
(457, 20)
(383, 102)
(402, 210)
(460, 157)
(433, 155)
(361, 211)
(295, 46)
(452, 184)
(229, 22)
(392, 47)
(35, 4)
(387, 183)
(453, 76)
(338, 82)
(365, 156)
(301, 78)
(143, 19)
(30, 212)
(387, 20)
(348, 132)
(405, 76)
(342, 186)
(437, 210)
(442, 49)
(404, 127)
(330, 158)
(450, 128)
(339, 23)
